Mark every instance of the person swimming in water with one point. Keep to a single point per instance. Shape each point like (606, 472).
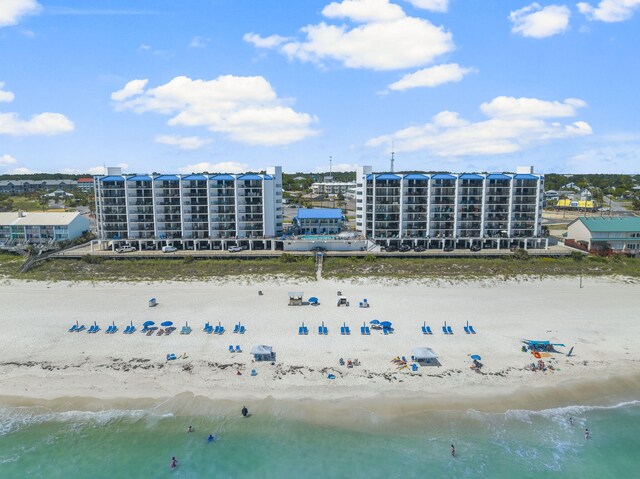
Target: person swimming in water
(453, 451)
(586, 434)
(211, 438)
(174, 463)
(571, 421)
(190, 429)
(245, 411)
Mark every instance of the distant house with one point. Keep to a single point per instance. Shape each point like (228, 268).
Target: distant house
(85, 184)
(41, 227)
(20, 187)
(620, 235)
(318, 221)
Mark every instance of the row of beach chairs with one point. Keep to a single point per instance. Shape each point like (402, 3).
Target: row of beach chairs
(468, 329)
(344, 330)
(236, 350)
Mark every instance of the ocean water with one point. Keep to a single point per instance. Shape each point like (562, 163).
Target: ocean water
(38, 443)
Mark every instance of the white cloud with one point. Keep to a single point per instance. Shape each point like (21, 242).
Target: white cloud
(199, 42)
(12, 10)
(271, 41)
(514, 124)
(510, 107)
(610, 10)
(42, 124)
(5, 96)
(133, 88)
(537, 22)
(222, 167)
(384, 39)
(22, 170)
(431, 77)
(340, 167)
(6, 160)
(432, 5)
(183, 142)
(246, 109)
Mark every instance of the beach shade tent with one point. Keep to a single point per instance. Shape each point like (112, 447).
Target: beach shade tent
(262, 352)
(152, 302)
(313, 300)
(541, 345)
(295, 299)
(423, 354)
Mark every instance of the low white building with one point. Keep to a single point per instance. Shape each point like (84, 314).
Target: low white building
(20, 227)
(334, 188)
(620, 235)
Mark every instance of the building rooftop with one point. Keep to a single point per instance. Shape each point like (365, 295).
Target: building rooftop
(611, 225)
(37, 219)
(319, 213)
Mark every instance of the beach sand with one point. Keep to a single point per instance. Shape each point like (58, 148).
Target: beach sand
(43, 364)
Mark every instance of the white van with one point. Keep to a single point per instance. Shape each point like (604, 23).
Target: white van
(169, 249)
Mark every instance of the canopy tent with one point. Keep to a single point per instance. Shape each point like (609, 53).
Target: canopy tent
(423, 354)
(295, 299)
(261, 349)
(541, 345)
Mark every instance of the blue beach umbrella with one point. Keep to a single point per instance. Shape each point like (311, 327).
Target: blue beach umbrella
(148, 323)
(375, 321)
(476, 357)
(167, 323)
(313, 299)
(385, 324)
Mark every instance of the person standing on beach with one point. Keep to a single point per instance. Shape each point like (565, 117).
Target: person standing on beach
(245, 411)
(586, 434)
(453, 451)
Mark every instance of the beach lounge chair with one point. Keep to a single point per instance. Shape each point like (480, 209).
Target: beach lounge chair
(73, 328)
(237, 328)
(325, 331)
(206, 327)
(385, 331)
(444, 330)
(242, 330)
(367, 331)
(472, 330)
(342, 330)
(108, 331)
(429, 330)
(209, 329)
(171, 357)
(130, 329)
(126, 330)
(449, 330)
(347, 330)
(231, 350)
(221, 330)
(306, 330)
(466, 329)
(424, 330)
(414, 367)
(363, 330)
(169, 330)
(238, 350)
(320, 330)
(217, 330)
(254, 372)
(300, 330)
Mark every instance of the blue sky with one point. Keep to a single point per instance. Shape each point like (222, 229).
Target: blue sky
(236, 85)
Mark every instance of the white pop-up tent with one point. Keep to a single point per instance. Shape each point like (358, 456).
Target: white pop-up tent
(262, 352)
(423, 354)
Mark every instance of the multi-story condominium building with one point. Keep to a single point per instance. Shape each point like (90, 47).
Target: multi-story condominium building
(189, 208)
(455, 210)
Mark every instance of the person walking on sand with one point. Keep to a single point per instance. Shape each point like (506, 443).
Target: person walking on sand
(453, 451)
(586, 434)
(174, 463)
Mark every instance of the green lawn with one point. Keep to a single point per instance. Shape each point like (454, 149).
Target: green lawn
(476, 268)
(156, 269)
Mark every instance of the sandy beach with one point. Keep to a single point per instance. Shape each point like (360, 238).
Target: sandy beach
(44, 364)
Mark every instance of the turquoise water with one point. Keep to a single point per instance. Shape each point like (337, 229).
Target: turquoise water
(317, 237)
(36, 443)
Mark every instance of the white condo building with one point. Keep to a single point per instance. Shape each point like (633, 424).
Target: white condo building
(195, 208)
(459, 210)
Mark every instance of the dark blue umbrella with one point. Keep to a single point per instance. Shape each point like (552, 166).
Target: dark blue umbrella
(476, 357)
(375, 321)
(313, 299)
(167, 323)
(148, 323)
(385, 324)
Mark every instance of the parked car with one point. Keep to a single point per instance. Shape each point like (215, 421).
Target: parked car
(234, 249)
(169, 249)
(391, 249)
(475, 248)
(126, 249)
(419, 249)
(449, 248)
(404, 248)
